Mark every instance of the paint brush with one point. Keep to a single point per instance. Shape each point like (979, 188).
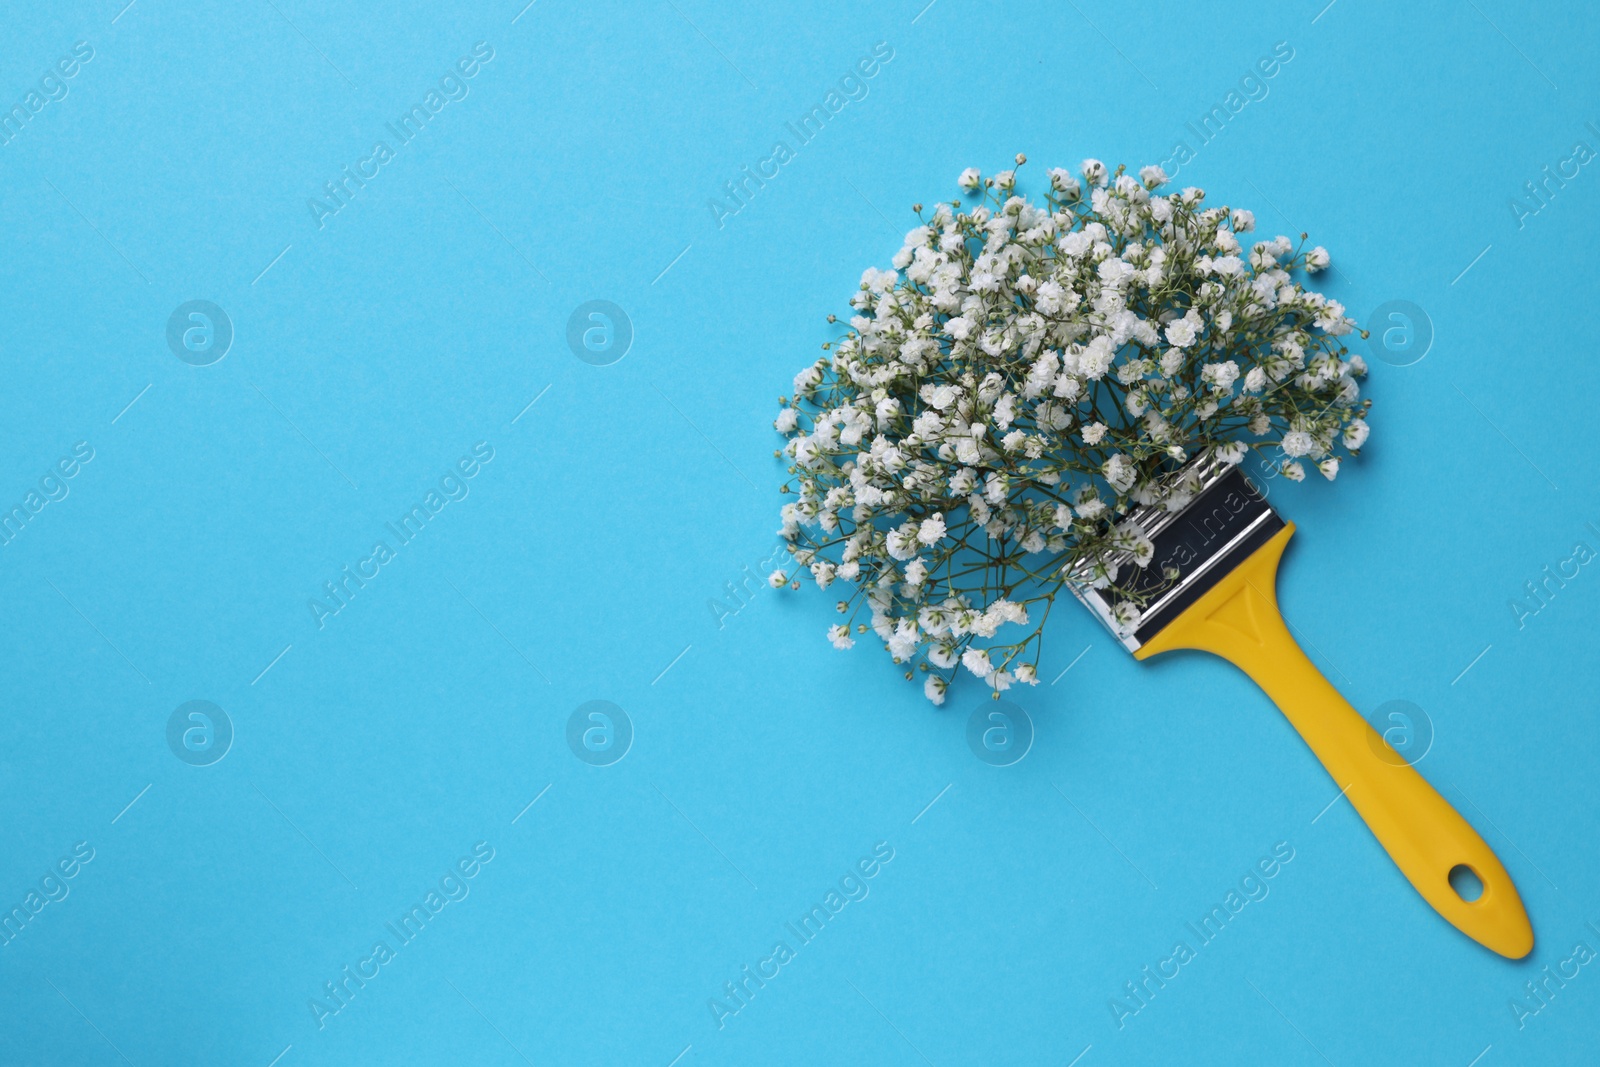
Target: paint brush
(1224, 548)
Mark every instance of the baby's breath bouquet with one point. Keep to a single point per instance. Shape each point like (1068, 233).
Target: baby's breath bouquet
(1027, 376)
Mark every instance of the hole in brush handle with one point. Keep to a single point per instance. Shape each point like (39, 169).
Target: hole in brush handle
(1466, 882)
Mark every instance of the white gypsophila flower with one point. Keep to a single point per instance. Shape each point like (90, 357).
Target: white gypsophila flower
(1182, 332)
(902, 642)
(1120, 472)
(976, 660)
(1221, 375)
(1297, 443)
(839, 634)
(777, 579)
(1028, 371)
(1064, 182)
(1355, 434)
(806, 379)
(1316, 259)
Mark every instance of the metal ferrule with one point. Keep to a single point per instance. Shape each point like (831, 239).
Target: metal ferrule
(1227, 519)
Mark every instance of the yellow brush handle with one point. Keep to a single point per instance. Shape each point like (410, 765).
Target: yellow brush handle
(1238, 619)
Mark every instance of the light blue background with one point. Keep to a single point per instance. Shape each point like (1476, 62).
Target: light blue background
(427, 314)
